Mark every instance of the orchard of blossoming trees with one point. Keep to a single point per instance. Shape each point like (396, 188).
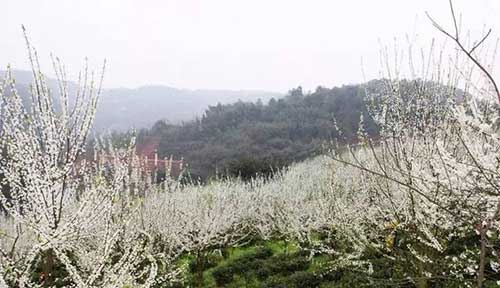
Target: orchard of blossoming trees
(418, 207)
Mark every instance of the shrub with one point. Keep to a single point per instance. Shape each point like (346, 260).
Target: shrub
(263, 252)
(288, 264)
(263, 272)
(304, 279)
(223, 275)
(276, 282)
(209, 261)
(250, 260)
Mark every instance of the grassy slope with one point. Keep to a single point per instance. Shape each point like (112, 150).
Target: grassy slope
(285, 265)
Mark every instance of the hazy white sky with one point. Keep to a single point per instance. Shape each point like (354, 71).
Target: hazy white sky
(230, 44)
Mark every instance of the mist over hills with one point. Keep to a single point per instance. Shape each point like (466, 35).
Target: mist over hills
(124, 108)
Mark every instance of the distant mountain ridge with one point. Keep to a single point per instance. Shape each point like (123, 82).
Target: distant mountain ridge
(124, 108)
(142, 107)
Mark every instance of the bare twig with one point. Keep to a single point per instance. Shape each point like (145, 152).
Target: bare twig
(467, 52)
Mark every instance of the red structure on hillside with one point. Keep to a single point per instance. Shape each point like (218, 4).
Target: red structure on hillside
(148, 149)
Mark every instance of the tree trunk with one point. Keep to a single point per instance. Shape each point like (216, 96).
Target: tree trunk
(199, 268)
(48, 268)
(482, 256)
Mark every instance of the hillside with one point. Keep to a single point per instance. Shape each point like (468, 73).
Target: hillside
(122, 109)
(245, 137)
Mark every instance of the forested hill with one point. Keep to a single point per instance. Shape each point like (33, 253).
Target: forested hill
(122, 109)
(244, 137)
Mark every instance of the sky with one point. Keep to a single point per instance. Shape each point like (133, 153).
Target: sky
(272, 45)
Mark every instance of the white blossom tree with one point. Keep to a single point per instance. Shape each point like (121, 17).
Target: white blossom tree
(62, 209)
(434, 171)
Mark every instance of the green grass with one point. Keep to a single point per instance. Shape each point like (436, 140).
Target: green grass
(277, 264)
(264, 264)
